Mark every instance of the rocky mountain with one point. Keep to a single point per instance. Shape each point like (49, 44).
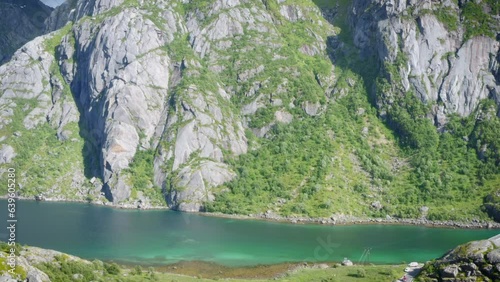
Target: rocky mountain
(381, 108)
(21, 21)
(474, 261)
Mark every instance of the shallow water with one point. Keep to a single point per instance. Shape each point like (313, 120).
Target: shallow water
(162, 237)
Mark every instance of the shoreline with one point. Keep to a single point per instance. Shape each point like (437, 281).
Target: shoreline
(94, 203)
(342, 220)
(216, 271)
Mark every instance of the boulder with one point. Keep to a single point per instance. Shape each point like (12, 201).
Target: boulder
(347, 262)
(7, 153)
(493, 257)
(312, 109)
(451, 271)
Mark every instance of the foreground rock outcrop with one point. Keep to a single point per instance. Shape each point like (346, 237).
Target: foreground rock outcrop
(34, 264)
(474, 261)
(28, 261)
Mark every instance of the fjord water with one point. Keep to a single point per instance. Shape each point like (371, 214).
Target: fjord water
(161, 237)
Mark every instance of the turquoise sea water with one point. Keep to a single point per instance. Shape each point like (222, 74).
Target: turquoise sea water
(161, 237)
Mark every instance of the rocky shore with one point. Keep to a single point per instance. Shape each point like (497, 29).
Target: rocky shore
(128, 206)
(473, 261)
(272, 216)
(350, 220)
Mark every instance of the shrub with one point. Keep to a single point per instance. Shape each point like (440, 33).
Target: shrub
(137, 270)
(476, 20)
(152, 274)
(112, 268)
(361, 273)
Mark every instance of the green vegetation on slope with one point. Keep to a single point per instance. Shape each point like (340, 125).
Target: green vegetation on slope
(141, 177)
(476, 18)
(450, 171)
(42, 160)
(317, 166)
(477, 21)
(448, 17)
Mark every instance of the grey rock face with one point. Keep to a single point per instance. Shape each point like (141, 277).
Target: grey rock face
(24, 78)
(228, 24)
(62, 111)
(5, 278)
(7, 153)
(60, 16)
(440, 67)
(283, 117)
(194, 185)
(113, 78)
(377, 205)
(291, 13)
(494, 256)
(73, 10)
(32, 273)
(141, 76)
(202, 131)
(450, 271)
(475, 251)
(35, 275)
(123, 87)
(312, 109)
(470, 77)
(197, 146)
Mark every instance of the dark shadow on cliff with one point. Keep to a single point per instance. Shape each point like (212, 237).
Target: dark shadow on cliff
(91, 149)
(341, 48)
(21, 21)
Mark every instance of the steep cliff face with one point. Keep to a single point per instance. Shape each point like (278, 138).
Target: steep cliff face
(440, 53)
(243, 106)
(439, 63)
(21, 21)
(120, 70)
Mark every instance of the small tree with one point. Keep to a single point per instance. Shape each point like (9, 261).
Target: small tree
(112, 268)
